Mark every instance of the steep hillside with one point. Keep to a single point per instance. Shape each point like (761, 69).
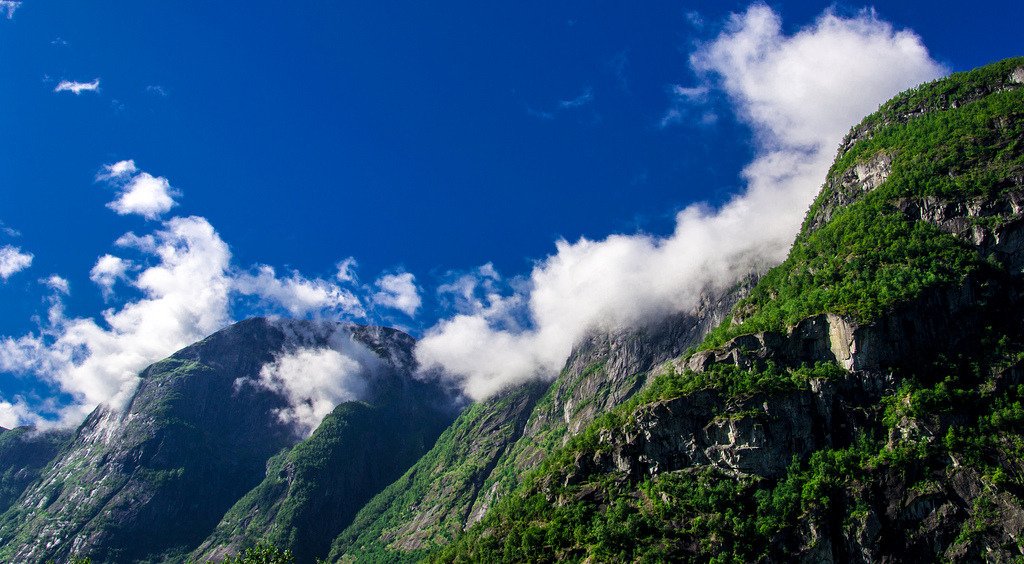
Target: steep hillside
(484, 453)
(863, 403)
(150, 482)
(24, 453)
(311, 493)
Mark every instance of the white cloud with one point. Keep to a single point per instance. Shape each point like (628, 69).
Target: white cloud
(9, 6)
(120, 169)
(77, 87)
(799, 94)
(184, 297)
(107, 271)
(807, 89)
(298, 295)
(142, 193)
(57, 284)
(314, 381)
(398, 291)
(347, 270)
(13, 261)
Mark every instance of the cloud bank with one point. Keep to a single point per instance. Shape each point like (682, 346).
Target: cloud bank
(799, 94)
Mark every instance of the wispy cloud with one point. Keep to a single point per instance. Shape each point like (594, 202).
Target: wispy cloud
(13, 261)
(686, 101)
(8, 230)
(571, 104)
(77, 87)
(799, 93)
(582, 100)
(9, 7)
(57, 284)
(157, 90)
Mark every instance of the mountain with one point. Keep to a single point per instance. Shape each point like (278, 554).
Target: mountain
(151, 481)
(862, 403)
(492, 444)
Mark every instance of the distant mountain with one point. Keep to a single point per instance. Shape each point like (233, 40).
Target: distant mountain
(152, 481)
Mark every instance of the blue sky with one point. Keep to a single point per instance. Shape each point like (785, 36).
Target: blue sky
(422, 139)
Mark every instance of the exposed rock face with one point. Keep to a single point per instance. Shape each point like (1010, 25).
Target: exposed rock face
(853, 184)
(152, 481)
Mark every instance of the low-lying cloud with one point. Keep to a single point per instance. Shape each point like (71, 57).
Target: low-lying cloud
(314, 381)
(799, 94)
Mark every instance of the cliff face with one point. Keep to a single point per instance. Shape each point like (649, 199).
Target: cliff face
(863, 403)
(485, 453)
(151, 481)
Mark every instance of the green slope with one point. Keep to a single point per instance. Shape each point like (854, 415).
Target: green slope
(313, 491)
